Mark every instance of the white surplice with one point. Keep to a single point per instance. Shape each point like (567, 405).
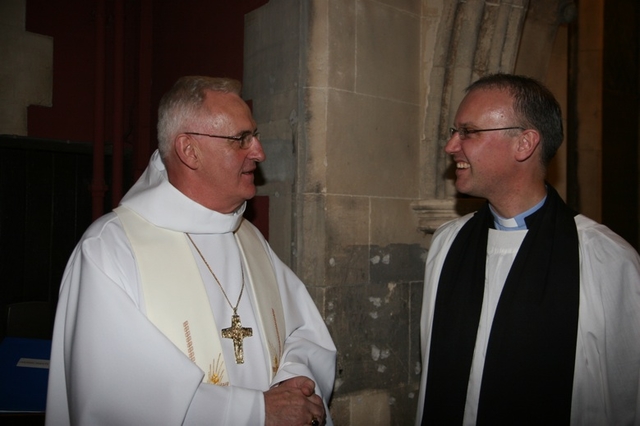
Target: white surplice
(606, 386)
(111, 366)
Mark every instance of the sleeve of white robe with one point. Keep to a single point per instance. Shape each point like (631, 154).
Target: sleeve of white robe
(607, 372)
(110, 365)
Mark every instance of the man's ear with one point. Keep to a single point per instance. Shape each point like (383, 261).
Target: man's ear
(527, 144)
(187, 151)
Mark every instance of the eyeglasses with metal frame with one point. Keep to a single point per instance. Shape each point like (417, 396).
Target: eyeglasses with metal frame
(464, 133)
(244, 139)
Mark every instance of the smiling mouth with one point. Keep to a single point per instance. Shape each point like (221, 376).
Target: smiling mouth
(462, 165)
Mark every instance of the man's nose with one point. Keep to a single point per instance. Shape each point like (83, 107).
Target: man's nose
(453, 144)
(257, 153)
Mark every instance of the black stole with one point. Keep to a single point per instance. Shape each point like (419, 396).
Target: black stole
(528, 371)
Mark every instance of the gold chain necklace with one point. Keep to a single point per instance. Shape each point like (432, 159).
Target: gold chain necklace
(236, 332)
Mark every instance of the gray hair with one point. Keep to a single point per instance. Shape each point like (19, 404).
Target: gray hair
(183, 102)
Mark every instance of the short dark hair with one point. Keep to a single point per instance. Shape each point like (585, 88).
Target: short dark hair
(184, 100)
(533, 104)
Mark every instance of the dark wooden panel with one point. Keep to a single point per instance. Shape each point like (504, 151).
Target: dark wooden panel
(38, 226)
(45, 206)
(12, 223)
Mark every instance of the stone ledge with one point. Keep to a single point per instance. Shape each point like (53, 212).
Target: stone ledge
(434, 212)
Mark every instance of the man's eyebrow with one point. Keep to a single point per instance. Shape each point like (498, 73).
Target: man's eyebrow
(245, 132)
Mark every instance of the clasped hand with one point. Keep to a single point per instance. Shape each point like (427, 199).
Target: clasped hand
(293, 402)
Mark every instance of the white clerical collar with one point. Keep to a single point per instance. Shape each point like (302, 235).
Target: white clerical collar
(516, 223)
(154, 198)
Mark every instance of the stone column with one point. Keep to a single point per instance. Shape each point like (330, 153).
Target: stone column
(335, 86)
(472, 38)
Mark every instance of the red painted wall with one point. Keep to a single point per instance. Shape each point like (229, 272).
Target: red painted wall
(71, 117)
(179, 38)
(188, 37)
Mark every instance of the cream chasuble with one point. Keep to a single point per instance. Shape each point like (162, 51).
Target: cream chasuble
(177, 302)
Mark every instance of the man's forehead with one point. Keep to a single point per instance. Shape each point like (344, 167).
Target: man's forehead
(228, 111)
(479, 102)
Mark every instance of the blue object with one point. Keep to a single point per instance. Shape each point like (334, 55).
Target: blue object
(24, 374)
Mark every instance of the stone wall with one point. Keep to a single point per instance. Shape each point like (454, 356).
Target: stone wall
(26, 68)
(335, 88)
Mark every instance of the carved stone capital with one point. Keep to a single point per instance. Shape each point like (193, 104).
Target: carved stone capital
(434, 212)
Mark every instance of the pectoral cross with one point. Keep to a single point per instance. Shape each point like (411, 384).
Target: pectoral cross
(236, 333)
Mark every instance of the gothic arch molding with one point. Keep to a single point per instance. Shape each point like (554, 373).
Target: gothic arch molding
(473, 38)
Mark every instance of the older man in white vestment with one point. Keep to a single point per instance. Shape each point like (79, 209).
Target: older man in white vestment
(531, 312)
(173, 308)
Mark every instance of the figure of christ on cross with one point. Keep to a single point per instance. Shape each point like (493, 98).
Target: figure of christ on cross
(236, 332)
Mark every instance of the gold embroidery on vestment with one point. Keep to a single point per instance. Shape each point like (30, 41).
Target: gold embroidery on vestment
(187, 335)
(276, 358)
(216, 373)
